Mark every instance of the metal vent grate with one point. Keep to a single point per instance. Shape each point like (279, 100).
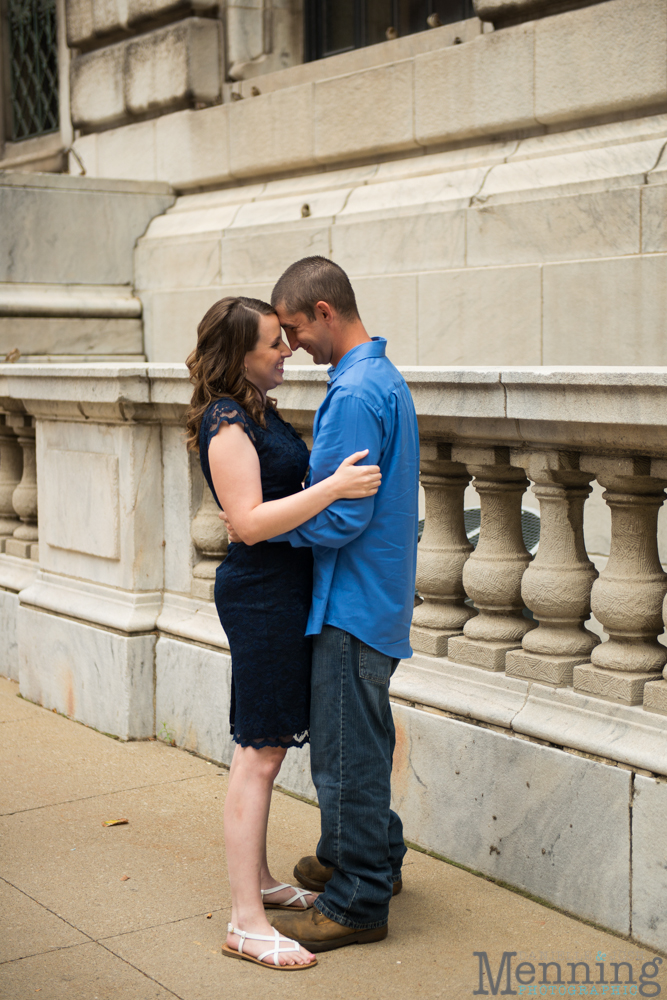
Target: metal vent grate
(530, 527)
(33, 56)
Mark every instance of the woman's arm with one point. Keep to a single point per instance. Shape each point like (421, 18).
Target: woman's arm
(236, 477)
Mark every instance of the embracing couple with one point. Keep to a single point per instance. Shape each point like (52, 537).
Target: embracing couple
(316, 598)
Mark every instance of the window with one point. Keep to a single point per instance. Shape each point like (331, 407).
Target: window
(32, 48)
(333, 26)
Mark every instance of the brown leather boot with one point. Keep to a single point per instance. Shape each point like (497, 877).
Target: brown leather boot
(314, 876)
(316, 932)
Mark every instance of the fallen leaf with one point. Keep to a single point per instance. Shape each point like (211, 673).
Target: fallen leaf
(114, 822)
(208, 916)
(125, 878)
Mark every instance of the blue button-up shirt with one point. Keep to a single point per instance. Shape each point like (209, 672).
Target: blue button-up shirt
(365, 551)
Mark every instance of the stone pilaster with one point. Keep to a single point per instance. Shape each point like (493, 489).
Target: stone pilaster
(557, 584)
(627, 597)
(442, 553)
(23, 542)
(11, 468)
(492, 575)
(210, 536)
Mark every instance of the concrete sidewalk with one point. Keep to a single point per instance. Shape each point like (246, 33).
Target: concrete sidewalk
(90, 913)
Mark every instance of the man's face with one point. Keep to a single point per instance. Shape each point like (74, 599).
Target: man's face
(314, 336)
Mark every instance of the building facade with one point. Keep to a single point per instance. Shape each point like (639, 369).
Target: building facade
(493, 180)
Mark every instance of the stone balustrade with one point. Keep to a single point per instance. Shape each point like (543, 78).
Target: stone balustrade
(115, 625)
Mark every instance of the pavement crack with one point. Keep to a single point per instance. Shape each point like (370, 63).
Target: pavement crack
(141, 971)
(100, 795)
(164, 923)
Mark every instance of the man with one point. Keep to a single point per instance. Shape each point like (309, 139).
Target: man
(363, 593)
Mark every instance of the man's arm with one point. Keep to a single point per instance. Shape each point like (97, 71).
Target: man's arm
(348, 424)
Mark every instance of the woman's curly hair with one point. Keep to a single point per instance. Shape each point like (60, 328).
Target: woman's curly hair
(227, 332)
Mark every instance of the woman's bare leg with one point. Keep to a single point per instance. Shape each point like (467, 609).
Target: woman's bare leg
(251, 778)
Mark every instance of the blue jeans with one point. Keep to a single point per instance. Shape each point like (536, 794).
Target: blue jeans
(351, 746)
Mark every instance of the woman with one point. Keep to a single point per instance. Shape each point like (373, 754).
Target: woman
(255, 464)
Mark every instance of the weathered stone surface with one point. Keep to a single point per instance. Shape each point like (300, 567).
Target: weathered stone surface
(178, 63)
(457, 308)
(523, 813)
(626, 688)
(78, 533)
(574, 76)
(272, 132)
(71, 336)
(173, 263)
(655, 697)
(649, 849)
(166, 68)
(98, 677)
(266, 256)
(52, 228)
(495, 101)
(192, 147)
(429, 241)
(387, 307)
(364, 113)
(583, 226)
(171, 318)
(592, 725)
(129, 150)
(96, 81)
(633, 325)
(9, 651)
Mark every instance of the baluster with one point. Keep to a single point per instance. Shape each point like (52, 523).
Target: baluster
(24, 498)
(442, 552)
(210, 536)
(627, 597)
(492, 575)
(557, 584)
(11, 467)
(655, 692)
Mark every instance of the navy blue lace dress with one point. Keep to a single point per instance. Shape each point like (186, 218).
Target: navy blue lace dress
(263, 594)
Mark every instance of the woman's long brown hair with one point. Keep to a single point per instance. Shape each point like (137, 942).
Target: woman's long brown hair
(227, 332)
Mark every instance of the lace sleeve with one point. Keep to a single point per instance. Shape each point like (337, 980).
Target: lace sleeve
(226, 411)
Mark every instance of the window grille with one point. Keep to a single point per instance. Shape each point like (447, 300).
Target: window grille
(333, 26)
(33, 62)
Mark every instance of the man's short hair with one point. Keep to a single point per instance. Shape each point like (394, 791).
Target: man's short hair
(312, 280)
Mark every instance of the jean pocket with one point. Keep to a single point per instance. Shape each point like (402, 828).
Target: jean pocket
(374, 666)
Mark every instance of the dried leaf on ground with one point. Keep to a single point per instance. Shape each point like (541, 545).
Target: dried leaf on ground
(115, 822)
(125, 878)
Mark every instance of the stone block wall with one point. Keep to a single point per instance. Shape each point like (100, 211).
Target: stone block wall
(66, 271)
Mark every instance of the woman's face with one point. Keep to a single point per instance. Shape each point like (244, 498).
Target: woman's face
(265, 362)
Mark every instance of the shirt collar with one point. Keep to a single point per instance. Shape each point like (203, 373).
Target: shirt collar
(375, 348)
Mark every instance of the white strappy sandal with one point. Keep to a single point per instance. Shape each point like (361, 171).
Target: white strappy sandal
(299, 897)
(275, 951)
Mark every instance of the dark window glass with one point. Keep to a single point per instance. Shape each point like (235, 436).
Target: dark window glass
(380, 16)
(33, 67)
(340, 25)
